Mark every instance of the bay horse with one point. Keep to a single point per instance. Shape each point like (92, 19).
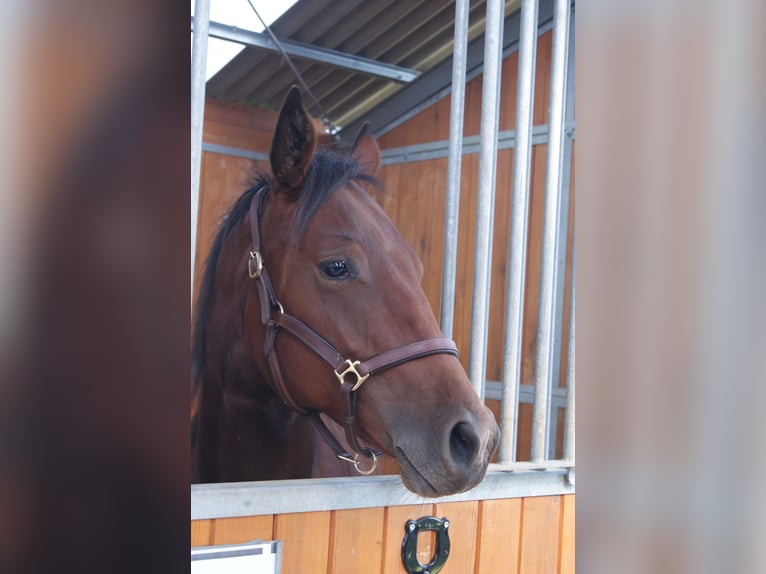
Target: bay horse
(312, 331)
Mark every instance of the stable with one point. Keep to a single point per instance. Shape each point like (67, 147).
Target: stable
(472, 105)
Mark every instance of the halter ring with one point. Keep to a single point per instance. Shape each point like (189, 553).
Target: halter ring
(258, 258)
(355, 461)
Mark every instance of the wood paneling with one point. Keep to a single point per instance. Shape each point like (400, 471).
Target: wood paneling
(512, 536)
(306, 541)
(356, 540)
(200, 532)
(540, 522)
(499, 536)
(242, 529)
(567, 536)
(463, 517)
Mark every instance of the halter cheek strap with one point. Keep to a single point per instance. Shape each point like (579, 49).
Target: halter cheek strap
(351, 374)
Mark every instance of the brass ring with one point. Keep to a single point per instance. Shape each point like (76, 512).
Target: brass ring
(255, 256)
(374, 463)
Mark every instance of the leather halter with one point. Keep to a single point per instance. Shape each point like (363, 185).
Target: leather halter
(350, 374)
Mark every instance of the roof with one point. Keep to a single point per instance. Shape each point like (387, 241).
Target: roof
(388, 45)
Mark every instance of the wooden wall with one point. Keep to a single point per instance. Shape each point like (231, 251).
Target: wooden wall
(520, 535)
(416, 203)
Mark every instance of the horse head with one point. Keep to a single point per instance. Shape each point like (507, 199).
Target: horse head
(338, 264)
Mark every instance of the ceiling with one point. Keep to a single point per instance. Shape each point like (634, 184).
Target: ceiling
(414, 35)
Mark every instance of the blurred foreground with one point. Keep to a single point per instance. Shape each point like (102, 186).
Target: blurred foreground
(94, 308)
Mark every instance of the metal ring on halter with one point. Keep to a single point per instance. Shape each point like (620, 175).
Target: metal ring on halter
(374, 462)
(355, 460)
(258, 258)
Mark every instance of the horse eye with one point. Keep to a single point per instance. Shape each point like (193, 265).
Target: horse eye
(335, 269)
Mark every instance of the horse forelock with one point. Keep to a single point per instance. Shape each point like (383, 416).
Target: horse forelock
(331, 169)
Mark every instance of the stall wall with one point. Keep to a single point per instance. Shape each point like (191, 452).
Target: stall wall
(416, 203)
(519, 535)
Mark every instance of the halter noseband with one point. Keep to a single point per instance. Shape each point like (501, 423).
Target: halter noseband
(350, 374)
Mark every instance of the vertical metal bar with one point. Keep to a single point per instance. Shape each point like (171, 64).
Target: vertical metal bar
(452, 210)
(569, 416)
(549, 247)
(198, 72)
(490, 111)
(563, 231)
(517, 261)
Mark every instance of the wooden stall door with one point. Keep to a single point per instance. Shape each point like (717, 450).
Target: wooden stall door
(512, 536)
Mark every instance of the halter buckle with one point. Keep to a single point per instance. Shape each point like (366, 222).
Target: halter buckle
(258, 258)
(351, 370)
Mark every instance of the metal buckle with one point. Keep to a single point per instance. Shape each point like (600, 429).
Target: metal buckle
(255, 256)
(355, 461)
(351, 370)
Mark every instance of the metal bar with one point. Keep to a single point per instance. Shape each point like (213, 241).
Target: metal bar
(235, 151)
(440, 149)
(549, 246)
(199, 66)
(436, 83)
(226, 500)
(517, 261)
(314, 53)
(490, 109)
(332, 129)
(452, 208)
(569, 416)
(563, 226)
(493, 390)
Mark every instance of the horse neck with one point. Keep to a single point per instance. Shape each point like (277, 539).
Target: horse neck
(244, 430)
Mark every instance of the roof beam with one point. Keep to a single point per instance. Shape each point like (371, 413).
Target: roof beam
(314, 53)
(433, 85)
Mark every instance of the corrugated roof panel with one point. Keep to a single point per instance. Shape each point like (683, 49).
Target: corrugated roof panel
(415, 34)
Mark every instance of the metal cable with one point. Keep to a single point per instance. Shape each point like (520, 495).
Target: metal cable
(331, 128)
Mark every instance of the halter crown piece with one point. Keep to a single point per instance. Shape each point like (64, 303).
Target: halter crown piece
(351, 374)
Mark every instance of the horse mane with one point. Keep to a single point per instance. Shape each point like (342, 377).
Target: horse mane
(331, 168)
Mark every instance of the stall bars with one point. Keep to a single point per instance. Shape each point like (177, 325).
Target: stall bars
(554, 234)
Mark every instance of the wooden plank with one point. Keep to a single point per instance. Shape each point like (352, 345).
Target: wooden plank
(242, 529)
(532, 278)
(500, 239)
(305, 541)
(567, 536)
(524, 432)
(200, 532)
(393, 534)
(463, 517)
(499, 536)
(540, 534)
(542, 78)
(356, 541)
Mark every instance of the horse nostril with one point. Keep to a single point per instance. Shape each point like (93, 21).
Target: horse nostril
(463, 443)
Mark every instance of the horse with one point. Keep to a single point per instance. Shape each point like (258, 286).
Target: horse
(312, 331)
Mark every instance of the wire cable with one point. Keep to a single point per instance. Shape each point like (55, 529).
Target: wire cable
(331, 128)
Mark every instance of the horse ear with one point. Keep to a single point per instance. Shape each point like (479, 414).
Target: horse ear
(294, 142)
(366, 151)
